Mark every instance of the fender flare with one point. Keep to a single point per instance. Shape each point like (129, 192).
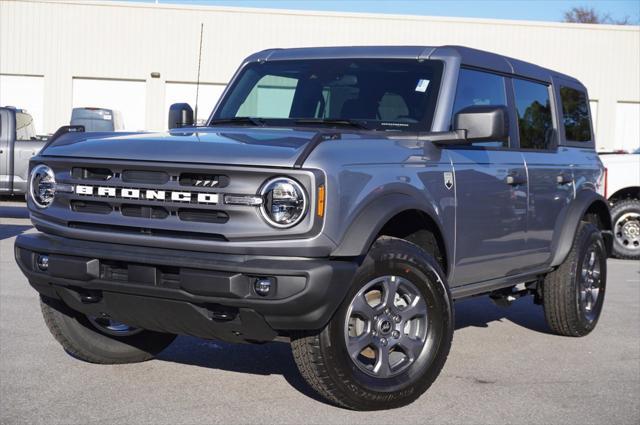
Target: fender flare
(362, 232)
(567, 225)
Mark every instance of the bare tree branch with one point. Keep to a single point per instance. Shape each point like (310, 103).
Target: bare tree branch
(588, 15)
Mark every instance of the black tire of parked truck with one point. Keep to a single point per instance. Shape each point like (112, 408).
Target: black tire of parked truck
(625, 216)
(400, 310)
(573, 294)
(83, 338)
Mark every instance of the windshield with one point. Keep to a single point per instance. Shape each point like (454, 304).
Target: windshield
(380, 94)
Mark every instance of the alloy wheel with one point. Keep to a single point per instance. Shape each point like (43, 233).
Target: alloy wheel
(386, 326)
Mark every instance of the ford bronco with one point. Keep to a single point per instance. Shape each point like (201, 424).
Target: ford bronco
(338, 198)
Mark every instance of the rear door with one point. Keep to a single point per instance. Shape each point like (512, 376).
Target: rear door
(550, 175)
(491, 192)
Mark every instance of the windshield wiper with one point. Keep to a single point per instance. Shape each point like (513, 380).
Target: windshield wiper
(258, 122)
(333, 122)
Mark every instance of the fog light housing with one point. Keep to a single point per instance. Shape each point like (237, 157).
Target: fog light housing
(43, 262)
(263, 286)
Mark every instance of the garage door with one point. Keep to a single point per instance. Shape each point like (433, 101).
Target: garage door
(186, 93)
(125, 96)
(628, 126)
(24, 92)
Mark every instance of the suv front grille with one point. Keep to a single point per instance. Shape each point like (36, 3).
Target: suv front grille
(118, 184)
(177, 201)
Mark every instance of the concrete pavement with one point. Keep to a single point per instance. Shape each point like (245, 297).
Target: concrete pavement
(504, 367)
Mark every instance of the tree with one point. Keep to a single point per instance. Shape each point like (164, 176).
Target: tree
(588, 15)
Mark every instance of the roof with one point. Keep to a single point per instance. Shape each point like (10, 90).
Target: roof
(468, 56)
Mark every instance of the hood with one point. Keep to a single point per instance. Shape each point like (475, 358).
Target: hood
(271, 147)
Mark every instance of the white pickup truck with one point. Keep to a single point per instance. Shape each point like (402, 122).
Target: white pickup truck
(622, 189)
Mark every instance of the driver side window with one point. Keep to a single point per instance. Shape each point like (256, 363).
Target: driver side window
(479, 88)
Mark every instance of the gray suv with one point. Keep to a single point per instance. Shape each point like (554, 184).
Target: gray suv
(338, 198)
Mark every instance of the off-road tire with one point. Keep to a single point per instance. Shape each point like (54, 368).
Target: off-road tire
(618, 210)
(84, 341)
(322, 358)
(561, 288)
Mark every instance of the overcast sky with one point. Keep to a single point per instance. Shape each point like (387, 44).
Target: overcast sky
(535, 10)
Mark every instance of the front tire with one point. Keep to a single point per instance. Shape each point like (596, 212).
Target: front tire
(99, 340)
(391, 336)
(573, 294)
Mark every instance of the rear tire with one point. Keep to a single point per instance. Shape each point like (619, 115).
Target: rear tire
(402, 307)
(83, 338)
(573, 294)
(625, 216)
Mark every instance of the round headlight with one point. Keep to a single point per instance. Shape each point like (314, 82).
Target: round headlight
(42, 185)
(284, 202)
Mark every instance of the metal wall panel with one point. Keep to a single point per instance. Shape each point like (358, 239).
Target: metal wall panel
(117, 40)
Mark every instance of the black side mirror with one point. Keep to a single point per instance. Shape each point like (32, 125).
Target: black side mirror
(483, 123)
(180, 115)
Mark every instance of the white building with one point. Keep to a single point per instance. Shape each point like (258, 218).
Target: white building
(56, 55)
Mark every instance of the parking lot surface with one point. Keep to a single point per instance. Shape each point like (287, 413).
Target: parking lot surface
(504, 367)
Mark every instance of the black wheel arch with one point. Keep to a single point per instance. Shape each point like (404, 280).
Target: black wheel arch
(378, 215)
(590, 206)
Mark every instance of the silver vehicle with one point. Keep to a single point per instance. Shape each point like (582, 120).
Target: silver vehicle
(341, 199)
(18, 143)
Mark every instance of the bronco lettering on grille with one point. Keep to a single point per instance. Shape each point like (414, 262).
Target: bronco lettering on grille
(149, 194)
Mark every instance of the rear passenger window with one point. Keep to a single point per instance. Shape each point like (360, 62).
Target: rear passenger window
(575, 114)
(479, 88)
(533, 107)
(25, 129)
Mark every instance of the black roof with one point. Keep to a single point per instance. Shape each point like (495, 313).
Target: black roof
(468, 56)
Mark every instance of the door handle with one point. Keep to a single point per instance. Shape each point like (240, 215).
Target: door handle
(564, 178)
(515, 179)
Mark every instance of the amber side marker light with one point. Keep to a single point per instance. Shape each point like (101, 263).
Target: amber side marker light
(321, 201)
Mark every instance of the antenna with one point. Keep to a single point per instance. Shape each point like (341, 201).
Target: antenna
(198, 80)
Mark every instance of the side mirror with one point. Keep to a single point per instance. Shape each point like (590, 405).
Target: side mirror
(180, 115)
(483, 123)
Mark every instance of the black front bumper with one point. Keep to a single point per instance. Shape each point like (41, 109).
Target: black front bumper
(186, 292)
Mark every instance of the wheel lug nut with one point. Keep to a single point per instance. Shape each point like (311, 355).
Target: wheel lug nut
(395, 334)
(396, 319)
(383, 341)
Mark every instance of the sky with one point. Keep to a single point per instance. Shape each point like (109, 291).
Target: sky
(531, 10)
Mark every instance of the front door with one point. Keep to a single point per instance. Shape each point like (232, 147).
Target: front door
(491, 192)
(491, 214)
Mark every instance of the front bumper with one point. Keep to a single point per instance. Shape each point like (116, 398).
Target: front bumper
(186, 292)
